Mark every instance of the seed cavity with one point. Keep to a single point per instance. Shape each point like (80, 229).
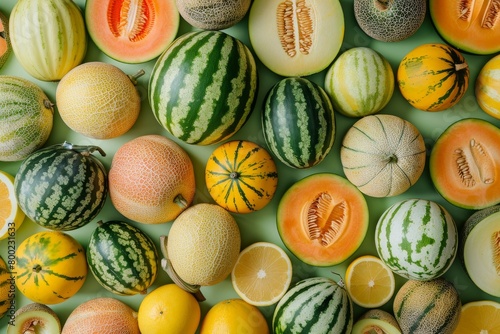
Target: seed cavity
(483, 161)
(465, 9)
(132, 19)
(463, 168)
(295, 26)
(495, 243)
(491, 14)
(325, 220)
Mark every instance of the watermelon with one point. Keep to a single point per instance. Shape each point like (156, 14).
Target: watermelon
(62, 187)
(314, 305)
(26, 118)
(417, 239)
(122, 258)
(203, 88)
(48, 37)
(360, 82)
(298, 122)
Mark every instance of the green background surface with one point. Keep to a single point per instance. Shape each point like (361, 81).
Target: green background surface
(261, 225)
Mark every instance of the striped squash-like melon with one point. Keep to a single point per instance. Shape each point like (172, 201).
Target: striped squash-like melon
(417, 239)
(62, 187)
(26, 118)
(241, 176)
(122, 258)
(487, 87)
(48, 37)
(203, 88)
(427, 307)
(5, 293)
(360, 82)
(51, 267)
(298, 122)
(314, 305)
(383, 155)
(433, 77)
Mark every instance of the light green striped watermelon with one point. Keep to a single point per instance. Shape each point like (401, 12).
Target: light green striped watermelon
(48, 37)
(298, 121)
(427, 307)
(203, 88)
(417, 239)
(360, 82)
(122, 258)
(314, 305)
(26, 118)
(62, 187)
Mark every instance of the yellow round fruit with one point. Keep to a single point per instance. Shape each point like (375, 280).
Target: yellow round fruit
(5, 292)
(479, 317)
(169, 309)
(262, 274)
(369, 281)
(51, 267)
(11, 215)
(203, 244)
(487, 87)
(98, 100)
(234, 316)
(151, 179)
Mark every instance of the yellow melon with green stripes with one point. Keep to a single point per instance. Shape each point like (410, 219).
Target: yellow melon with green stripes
(488, 87)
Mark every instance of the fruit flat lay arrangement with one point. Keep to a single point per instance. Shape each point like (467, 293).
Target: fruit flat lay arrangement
(265, 166)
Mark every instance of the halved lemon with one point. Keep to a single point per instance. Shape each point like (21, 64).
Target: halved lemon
(11, 215)
(479, 317)
(369, 281)
(262, 274)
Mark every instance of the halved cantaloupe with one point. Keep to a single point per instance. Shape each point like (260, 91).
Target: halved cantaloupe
(5, 47)
(132, 31)
(465, 164)
(471, 26)
(322, 219)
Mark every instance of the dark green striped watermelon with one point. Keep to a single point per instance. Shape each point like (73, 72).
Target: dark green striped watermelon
(122, 258)
(203, 87)
(298, 121)
(62, 187)
(314, 305)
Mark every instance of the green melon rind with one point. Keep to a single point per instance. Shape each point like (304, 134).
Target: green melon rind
(396, 22)
(203, 87)
(60, 188)
(298, 122)
(26, 118)
(417, 239)
(314, 305)
(122, 258)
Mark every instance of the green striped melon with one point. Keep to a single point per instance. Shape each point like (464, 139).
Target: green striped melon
(122, 258)
(417, 239)
(48, 37)
(427, 307)
(26, 118)
(314, 305)
(298, 122)
(62, 187)
(360, 82)
(203, 88)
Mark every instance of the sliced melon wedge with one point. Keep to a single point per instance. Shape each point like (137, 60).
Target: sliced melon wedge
(34, 318)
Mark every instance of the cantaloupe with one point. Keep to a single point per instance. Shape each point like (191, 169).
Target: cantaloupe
(203, 244)
(98, 100)
(151, 179)
(464, 164)
(5, 46)
(132, 31)
(103, 315)
(390, 21)
(383, 155)
(213, 14)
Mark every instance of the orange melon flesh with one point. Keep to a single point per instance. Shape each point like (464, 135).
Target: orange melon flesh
(465, 164)
(347, 214)
(5, 47)
(132, 31)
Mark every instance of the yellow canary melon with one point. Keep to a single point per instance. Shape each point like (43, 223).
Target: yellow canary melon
(151, 179)
(234, 316)
(103, 315)
(203, 244)
(98, 100)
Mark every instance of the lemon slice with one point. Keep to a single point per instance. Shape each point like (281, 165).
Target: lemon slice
(262, 274)
(479, 317)
(369, 281)
(11, 215)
